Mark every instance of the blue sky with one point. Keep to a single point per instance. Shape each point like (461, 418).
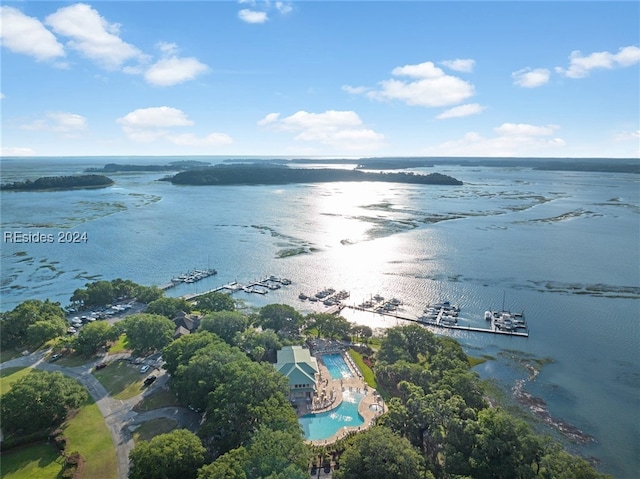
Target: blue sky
(385, 78)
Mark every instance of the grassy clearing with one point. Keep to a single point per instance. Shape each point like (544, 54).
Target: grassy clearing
(120, 346)
(73, 360)
(88, 434)
(122, 380)
(154, 427)
(40, 461)
(162, 398)
(11, 375)
(367, 373)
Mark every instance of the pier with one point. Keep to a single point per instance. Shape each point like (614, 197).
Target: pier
(435, 323)
(263, 286)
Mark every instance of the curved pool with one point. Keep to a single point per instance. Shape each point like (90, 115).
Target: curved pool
(325, 424)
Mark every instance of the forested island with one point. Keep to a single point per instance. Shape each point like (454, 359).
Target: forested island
(59, 183)
(270, 174)
(173, 166)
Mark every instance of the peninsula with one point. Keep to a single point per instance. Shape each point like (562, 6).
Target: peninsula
(270, 174)
(56, 183)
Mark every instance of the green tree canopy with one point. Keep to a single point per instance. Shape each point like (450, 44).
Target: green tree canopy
(146, 332)
(259, 345)
(282, 318)
(225, 324)
(329, 325)
(168, 307)
(204, 372)
(94, 336)
(40, 400)
(411, 343)
(252, 395)
(215, 301)
(14, 326)
(180, 351)
(378, 453)
(178, 454)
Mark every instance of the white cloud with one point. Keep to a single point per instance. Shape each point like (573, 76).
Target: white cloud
(628, 136)
(283, 7)
(460, 65)
(431, 87)
(174, 70)
(168, 48)
(530, 78)
(27, 35)
(252, 16)
(513, 139)
(59, 122)
(150, 124)
(270, 118)
(524, 129)
(460, 111)
(2, 96)
(155, 117)
(354, 90)
(342, 130)
(580, 66)
(93, 36)
(16, 151)
(189, 139)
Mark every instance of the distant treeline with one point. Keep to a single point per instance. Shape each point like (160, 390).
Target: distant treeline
(59, 183)
(605, 165)
(279, 175)
(173, 166)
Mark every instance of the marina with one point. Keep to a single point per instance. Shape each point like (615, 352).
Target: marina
(262, 287)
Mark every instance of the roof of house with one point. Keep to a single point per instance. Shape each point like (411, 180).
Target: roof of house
(297, 364)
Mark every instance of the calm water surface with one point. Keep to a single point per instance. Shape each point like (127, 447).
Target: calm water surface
(562, 246)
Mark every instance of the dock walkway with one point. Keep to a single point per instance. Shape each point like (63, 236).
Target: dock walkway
(438, 324)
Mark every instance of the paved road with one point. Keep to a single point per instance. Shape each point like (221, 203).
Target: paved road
(118, 414)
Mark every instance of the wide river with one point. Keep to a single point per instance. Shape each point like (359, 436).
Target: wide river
(562, 246)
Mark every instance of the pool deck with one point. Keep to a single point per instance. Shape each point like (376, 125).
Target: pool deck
(355, 383)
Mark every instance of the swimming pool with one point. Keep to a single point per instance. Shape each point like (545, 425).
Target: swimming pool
(325, 424)
(337, 366)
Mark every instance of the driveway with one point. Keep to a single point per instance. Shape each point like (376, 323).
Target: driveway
(118, 414)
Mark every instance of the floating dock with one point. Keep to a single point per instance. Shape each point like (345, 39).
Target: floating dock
(438, 323)
(263, 286)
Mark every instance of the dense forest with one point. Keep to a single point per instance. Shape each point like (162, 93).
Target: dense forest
(271, 174)
(59, 183)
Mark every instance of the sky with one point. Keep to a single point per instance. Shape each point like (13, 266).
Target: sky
(321, 78)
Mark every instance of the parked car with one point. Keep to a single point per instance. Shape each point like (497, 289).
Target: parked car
(55, 357)
(144, 368)
(150, 380)
(101, 366)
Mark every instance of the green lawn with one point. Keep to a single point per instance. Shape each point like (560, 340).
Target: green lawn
(151, 429)
(88, 434)
(120, 346)
(160, 398)
(121, 379)
(367, 373)
(9, 376)
(40, 461)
